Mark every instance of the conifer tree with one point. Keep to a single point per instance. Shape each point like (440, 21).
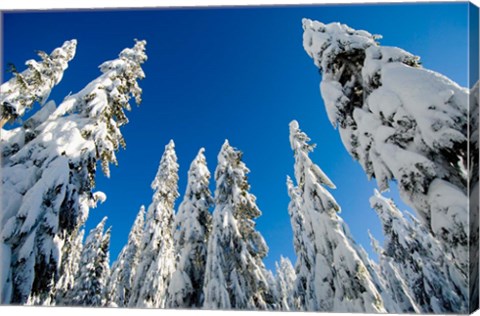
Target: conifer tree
(49, 181)
(337, 278)
(401, 122)
(119, 287)
(192, 227)
(271, 295)
(70, 264)
(157, 254)
(92, 276)
(235, 276)
(304, 250)
(35, 83)
(434, 284)
(285, 284)
(396, 294)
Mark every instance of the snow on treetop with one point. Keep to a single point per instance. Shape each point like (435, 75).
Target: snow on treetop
(225, 143)
(165, 183)
(168, 162)
(226, 151)
(198, 171)
(299, 143)
(294, 125)
(298, 139)
(98, 229)
(200, 158)
(35, 83)
(330, 40)
(58, 60)
(383, 205)
(64, 54)
(137, 53)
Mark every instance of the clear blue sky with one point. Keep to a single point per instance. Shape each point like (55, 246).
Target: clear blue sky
(239, 74)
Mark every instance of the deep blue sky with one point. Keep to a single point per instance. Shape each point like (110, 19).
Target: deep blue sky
(239, 74)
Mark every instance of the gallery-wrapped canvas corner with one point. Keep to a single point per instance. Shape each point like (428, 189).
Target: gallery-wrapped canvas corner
(307, 158)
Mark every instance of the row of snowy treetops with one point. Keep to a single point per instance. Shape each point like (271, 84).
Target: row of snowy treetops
(398, 120)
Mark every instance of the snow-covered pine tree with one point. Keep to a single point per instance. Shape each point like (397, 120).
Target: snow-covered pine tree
(157, 255)
(434, 284)
(396, 293)
(337, 279)
(92, 276)
(304, 250)
(401, 122)
(271, 297)
(47, 184)
(285, 281)
(192, 228)
(35, 83)
(235, 273)
(119, 287)
(20, 93)
(69, 266)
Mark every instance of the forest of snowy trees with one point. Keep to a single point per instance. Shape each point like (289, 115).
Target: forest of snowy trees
(405, 125)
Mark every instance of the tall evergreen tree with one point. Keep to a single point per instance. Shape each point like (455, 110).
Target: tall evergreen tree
(35, 83)
(192, 227)
(157, 254)
(337, 279)
(304, 249)
(92, 276)
(235, 276)
(70, 264)
(285, 281)
(272, 295)
(119, 287)
(401, 122)
(50, 179)
(396, 293)
(434, 284)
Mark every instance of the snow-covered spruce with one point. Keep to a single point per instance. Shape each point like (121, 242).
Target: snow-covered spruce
(396, 296)
(285, 281)
(35, 83)
(433, 282)
(119, 287)
(337, 278)
(92, 276)
(235, 276)
(192, 227)
(304, 250)
(48, 174)
(71, 252)
(400, 122)
(157, 255)
(377, 278)
(272, 294)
